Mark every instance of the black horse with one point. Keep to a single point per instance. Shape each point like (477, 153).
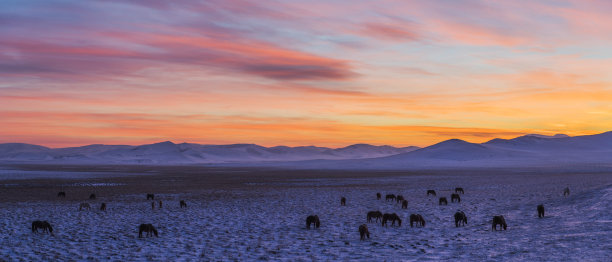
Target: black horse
(460, 218)
(363, 231)
(148, 228)
(443, 200)
(182, 203)
(566, 191)
(103, 207)
(378, 196)
(151, 196)
(459, 189)
(455, 197)
(499, 220)
(540, 211)
(391, 217)
(61, 194)
(44, 225)
(376, 215)
(343, 201)
(389, 196)
(405, 204)
(399, 198)
(431, 192)
(313, 220)
(92, 196)
(418, 219)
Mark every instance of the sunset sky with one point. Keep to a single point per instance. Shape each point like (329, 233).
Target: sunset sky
(328, 73)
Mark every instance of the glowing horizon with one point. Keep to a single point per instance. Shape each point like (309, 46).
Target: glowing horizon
(298, 73)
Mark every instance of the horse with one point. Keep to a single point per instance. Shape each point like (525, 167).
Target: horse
(182, 203)
(61, 194)
(374, 214)
(418, 219)
(455, 197)
(391, 217)
(460, 218)
(399, 198)
(160, 204)
(540, 211)
(499, 220)
(314, 219)
(151, 196)
(443, 200)
(363, 232)
(431, 192)
(405, 204)
(566, 191)
(103, 207)
(343, 201)
(44, 225)
(148, 228)
(84, 206)
(459, 189)
(92, 196)
(389, 196)
(153, 205)
(378, 196)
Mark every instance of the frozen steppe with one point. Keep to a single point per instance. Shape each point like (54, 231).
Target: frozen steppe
(249, 219)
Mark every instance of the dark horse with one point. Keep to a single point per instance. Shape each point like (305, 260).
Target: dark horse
(183, 204)
(374, 214)
(443, 200)
(44, 225)
(151, 196)
(460, 218)
(61, 194)
(459, 189)
(405, 204)
(313, 220)
(378, 196)
(566, 191)
(540, 211)
(391, 217)
(343, 201)
(431, 192)
(389, 196)
(148, 228)
(363, 231)
(92, 196)
(399, 198)
(499, 220)
(455, 197)
(103, 207)
(418, 219)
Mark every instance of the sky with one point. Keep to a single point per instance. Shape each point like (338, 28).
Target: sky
(327, 73)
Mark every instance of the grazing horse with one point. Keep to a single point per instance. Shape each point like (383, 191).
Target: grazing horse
(443, 200)
(540, 211)
(363, 231)
(499, 220)
(343, 201)
(84, 206)
(61, 194)
(460, 218)
(103, 207)
(389, 196)
(182, 203)
(151, 196)
(566, 191)
(44, 225)
(418, 219)
(399, 198)
(405, 204)
(391, 217)
(374, 214)
(378, 196)
(92, 196)
(148, 228)
(459, 189)
(313, 220)
(431, 192)
(455, 197)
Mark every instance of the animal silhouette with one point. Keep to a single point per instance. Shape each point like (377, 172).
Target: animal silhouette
(376, 215)
(499, 220)
(44, 225)
(460, 219)
(459, 190)
(378, 196)
(418, 219)
(343, 201)
(314, 219)
(150, 196)
(431, 192)
(183, 204)
(390, 197)
(405, 204)
(443, 200)
(148, 228)
(84, 206)
(393, 218)
(61, 194)
(455, 197)
(540, 211)
(363, 232)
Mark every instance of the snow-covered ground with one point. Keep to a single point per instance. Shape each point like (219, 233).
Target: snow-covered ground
(267, 221)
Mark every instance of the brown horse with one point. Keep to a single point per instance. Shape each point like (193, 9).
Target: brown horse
(183, 204)
(459, 189)
(455, 197)
(151, 196)
(418, 219)
(443, 200)
(103, 207)
(378, 196)
(540, 211)
(399, 198)
(391, 217)
(84, 206)
(363, 232)
(431, 192)
(405, 204)
(61, 194)
(499, 220)
(148, 228)
(92, 196)
(343, 201)
(566, 191)
(389, 196)
(460, 218)
(314, 219)
(44, 225)
(376, 215)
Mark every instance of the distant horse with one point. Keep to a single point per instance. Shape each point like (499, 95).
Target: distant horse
(399, 198)
(405, 204)
(151, 196)
(566, 191)
(182, 203)
(499, 220)
(460, 218)
(389, 196)
(443, 200)
(459, 189)
(314, 219)
(391, 217)
(431, 192)
(84, 206)
(92, 196)
(418, 219)
(363, 231)
(160, 204)
(44, 225)
(148, 228)
(61, 194)
(103, 207)
(377, 215)
(455, 197)
(153, 205)
(540, 211)
(378, 196)
(343, 201)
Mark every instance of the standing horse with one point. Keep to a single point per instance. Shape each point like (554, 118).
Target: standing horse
(378, 196)
(431, 192)
(84, 206)
(418, 219)
(459, 189)
(61, 194)
(160, 204)
(103, 207)
(540, 211)
(363, 231)
(92, 196)
(455, 197)
(314, 219)
(44, 225)
(151, 196)
(148, 228)
(460, 218)
(399, 198)
(390, 196)
(443, 200)
(499, 220)
(391, 217)
(377, 215)
(183, 204)
(566, 191)
(405, 204)
(343, 201)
